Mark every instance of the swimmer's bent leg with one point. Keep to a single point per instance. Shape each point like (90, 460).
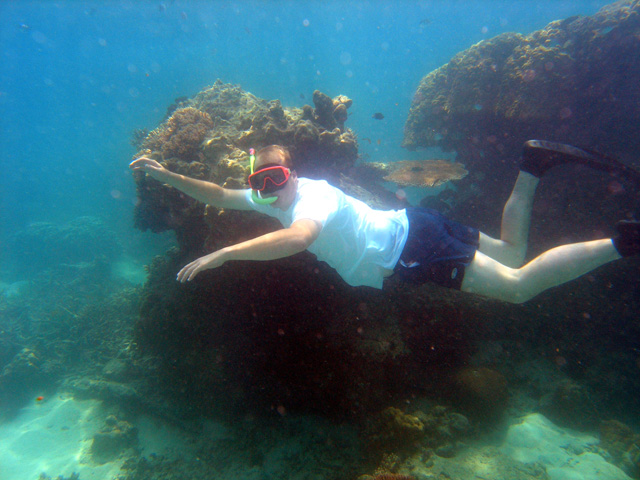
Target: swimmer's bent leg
(559, 265)
(511, 249)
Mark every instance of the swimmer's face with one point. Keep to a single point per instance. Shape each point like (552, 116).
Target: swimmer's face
(285, 195)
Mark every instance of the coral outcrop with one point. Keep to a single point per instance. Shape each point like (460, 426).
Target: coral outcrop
(394, 431)
(204, 331)
(570, 404)
(113, 439)
(181, 136)
(480, 392)
(290, 335)
(208, 137)
(621, 442)
(48, 245)
(315, 343)
(574, 79)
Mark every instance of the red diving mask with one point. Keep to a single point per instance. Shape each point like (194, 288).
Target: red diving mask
(269, 178)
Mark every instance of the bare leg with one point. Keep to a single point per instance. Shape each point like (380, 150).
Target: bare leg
(485, 276)
(511, 249)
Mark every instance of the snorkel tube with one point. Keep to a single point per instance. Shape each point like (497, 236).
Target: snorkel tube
(255, 195)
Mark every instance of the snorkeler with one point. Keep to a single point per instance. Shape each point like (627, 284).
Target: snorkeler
(419, 245)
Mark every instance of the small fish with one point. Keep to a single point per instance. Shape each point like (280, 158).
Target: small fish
(424, 22)
(365, 139)
(302, 96)
(40, 398)
(24, 26)
(378, 116)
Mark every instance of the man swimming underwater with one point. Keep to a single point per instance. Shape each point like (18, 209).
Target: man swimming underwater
(420, 245)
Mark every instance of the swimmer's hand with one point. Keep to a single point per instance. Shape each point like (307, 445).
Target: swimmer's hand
(213, 260)
(150, 166)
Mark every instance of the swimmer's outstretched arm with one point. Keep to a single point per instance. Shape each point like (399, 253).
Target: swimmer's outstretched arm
(278, 244)
(206, 192)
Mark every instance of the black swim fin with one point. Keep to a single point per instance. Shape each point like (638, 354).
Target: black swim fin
(540, 155)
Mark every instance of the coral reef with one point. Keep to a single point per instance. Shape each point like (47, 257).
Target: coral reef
(573, 82)
(289, 336)
(316, 344)
(181, 135)
(61, 326)
(574, 79)
(112, 440)
(208, 138)
(393, 433)
(480, 392)
(443, 427)
(570, 404)
(21, 374)
(392, 430)
(82, 240)
(621, 442)
(396, 441)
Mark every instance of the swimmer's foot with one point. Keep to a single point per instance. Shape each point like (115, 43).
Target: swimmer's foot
(627, 242)
(539, 156)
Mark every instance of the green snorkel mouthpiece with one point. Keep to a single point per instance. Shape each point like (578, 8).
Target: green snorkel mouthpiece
(255, 196)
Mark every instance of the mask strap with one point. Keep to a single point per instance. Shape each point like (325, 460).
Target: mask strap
(254, 194)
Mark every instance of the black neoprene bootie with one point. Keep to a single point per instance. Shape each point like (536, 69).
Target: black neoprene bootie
(627, 242)
(538, 156)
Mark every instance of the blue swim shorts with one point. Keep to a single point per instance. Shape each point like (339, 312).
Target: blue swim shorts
(437, 250)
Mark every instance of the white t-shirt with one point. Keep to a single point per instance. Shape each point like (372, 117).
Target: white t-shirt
(358, 241)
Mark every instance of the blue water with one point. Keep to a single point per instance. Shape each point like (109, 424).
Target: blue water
(77, 77)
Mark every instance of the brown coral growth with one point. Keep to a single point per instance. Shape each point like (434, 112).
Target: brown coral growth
(425, 173)
(481, 392)
(182, 134)
(575, 78)
(392, 430)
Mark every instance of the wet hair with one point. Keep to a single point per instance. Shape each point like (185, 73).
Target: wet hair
(274, 154)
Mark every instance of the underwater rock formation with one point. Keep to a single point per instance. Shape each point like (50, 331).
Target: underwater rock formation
(290, 335)
(571, 405)
(394, 431)
(481, 392)
(621, 442)
(82, 240)
(575, 80)
(204, 330)
(113, 439)
(24, 369)
(181, 136)
(208, 137)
